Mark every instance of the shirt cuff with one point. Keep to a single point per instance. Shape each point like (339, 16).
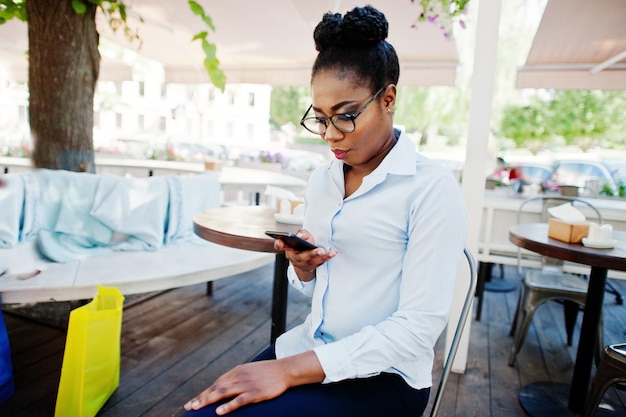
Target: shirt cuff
(304, 287)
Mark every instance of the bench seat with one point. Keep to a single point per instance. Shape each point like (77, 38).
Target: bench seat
(84, 230)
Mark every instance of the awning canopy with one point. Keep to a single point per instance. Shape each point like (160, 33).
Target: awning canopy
(268, 41)
(580, 44)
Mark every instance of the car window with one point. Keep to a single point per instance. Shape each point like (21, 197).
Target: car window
(578, 173)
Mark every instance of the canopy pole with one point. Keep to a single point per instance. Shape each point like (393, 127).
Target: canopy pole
(473, 185)
(604, 65)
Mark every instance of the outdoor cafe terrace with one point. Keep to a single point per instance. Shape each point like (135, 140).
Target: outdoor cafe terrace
(175, 342)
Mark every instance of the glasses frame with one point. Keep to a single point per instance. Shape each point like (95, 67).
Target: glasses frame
(350, 116)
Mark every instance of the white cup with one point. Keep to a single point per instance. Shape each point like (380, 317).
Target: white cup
(599, 233)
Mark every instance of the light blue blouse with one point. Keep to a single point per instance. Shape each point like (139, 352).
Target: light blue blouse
(382, 302)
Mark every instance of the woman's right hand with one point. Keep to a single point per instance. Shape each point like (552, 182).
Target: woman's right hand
(307, 261)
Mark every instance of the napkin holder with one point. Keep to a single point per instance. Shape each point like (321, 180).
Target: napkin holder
(286, 201)
(212, 165)
(288, 206)
(567, 231)
(567, 224)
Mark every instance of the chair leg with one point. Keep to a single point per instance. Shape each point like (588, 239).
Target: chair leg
(523, 323)
(484, 275)
(515, 317)
(599, 348)
(570, 312)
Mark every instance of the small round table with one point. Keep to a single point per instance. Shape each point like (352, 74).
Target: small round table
(243, 227)
(544, 398)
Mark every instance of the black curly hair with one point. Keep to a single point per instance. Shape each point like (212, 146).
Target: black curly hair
(355, 46)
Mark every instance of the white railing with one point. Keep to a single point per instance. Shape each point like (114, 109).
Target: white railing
(500, 214)
(239, 185)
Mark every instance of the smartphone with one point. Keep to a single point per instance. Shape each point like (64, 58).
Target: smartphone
(291, 240)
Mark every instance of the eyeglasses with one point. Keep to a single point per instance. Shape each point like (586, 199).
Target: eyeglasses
(343, 122)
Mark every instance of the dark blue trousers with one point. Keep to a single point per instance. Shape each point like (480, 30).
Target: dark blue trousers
(379, 396)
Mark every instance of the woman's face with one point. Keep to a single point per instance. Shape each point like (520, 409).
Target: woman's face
(373, 136)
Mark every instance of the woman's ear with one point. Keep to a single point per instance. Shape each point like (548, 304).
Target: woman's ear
(389, 97)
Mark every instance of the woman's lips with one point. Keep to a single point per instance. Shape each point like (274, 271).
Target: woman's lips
(340, 154)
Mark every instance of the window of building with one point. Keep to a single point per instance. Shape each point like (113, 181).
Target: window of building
(162, 123)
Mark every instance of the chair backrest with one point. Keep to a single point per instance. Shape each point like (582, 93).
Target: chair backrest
(548, 202)
(456, 339)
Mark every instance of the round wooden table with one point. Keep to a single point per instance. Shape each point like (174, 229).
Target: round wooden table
(243, 227)
(539, 399)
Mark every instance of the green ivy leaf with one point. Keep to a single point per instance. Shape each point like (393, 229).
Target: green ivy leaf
(210, 50)
(12, 9)
(196, 8)
(218, 78)
(201, 35)
(199, 11)
(79, 7)
(211, 63)
(209, 22)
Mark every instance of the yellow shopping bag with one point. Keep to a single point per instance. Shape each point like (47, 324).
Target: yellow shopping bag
(91, 361)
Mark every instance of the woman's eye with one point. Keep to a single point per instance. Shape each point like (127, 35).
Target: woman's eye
(344, 117)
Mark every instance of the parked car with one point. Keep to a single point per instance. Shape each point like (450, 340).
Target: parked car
(617, 168)
(199, 152)
(296, 160)
(523, 173)
(578, 173)
(289, 159)
(531, 173)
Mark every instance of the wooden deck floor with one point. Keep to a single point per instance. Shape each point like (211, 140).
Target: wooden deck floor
(175, 343)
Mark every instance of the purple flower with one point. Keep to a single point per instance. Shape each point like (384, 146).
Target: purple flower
(432, 19)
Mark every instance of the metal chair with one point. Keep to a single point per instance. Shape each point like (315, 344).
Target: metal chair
(456, 339)
(549, 283)
(611, 370)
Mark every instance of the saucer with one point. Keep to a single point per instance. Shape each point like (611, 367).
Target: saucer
(289, 219)
(599, 245)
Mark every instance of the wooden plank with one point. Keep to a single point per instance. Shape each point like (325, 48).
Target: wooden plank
(504, 383)
(193, 328)
(204, 363)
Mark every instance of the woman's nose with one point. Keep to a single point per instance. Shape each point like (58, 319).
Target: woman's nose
(332, 133)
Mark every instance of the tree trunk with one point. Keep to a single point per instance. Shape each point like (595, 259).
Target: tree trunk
(63, 70)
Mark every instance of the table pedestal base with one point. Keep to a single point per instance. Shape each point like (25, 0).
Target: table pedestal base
(545, 399)
(549, 399)
(495, 285)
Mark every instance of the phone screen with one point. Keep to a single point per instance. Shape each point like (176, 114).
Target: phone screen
(291, 240)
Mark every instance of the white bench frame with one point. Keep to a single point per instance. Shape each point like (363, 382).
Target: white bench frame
(131, 272)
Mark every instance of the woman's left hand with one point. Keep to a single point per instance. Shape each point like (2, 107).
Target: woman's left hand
(254, 382)
(245, 384)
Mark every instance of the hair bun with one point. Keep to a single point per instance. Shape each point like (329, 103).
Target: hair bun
(360, 26)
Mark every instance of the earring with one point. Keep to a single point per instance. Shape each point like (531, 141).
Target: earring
(389, 109)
